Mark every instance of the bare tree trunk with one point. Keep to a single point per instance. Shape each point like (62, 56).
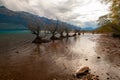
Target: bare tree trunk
(53, 35)
(61, 34)
(38, 39)
(74, 34)
(37, 35)
(79, 33)
(67, 35)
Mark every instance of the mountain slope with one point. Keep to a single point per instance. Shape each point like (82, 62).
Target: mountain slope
(22, 18)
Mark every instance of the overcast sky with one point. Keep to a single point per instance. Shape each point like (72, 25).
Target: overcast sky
(77, 12)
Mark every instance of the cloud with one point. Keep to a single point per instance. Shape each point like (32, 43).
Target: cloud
(1, 3)
(92, 24)
(72, 11)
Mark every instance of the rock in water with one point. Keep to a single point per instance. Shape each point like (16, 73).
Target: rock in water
(98, 57)
(54, 79)
(82, 72)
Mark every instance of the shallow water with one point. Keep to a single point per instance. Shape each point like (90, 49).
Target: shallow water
(22, 60)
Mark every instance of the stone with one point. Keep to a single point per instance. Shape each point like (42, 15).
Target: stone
(17, 51)
(54, 79)
(84, 74)
(82, 71)
(98, 57)
(86, 59)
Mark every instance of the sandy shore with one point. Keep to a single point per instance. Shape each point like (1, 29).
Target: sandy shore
(22, 60)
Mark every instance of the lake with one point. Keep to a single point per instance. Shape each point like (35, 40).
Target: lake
(22, 60)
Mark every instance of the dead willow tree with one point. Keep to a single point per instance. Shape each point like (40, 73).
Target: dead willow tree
(36, 27)
(79, 32)
(61, 29)
(53, 30)
(67, 30)
(76, 31)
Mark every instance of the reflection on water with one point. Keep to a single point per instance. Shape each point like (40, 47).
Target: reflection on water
(37, 51)
(55, 60)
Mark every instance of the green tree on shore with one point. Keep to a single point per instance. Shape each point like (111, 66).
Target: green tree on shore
(113, 18)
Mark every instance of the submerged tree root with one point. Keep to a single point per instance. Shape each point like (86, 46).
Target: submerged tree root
(54, 38)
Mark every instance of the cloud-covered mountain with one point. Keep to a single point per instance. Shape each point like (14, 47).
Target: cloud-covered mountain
(71, 11)
(22, 18)
(19, 20)
(18, 17)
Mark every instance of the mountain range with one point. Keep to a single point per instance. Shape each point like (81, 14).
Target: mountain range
(19, 20)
